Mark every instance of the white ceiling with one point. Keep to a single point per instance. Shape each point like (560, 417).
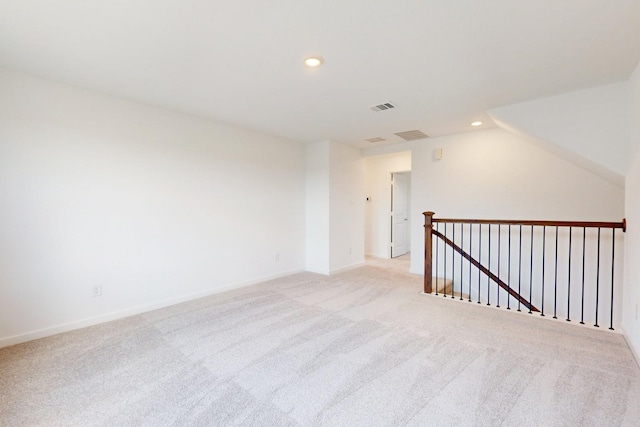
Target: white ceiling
(442, 62)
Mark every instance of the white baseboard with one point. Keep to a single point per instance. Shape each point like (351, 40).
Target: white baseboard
(120, 314)
(634, 351)
(347, 268)
(324, 273)
(420, 272)
(338, 270)
(381, 256)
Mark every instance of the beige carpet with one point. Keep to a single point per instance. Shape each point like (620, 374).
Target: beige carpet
(362, 348)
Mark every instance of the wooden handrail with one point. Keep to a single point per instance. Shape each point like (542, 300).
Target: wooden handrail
(431, 231)
(595, 224)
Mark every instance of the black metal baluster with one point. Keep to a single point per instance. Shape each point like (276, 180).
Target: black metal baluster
(613, 263)
(569, 278)
(544, 251)
(497, 285)
(479, 256)
(520, 269)
(555, 281)
(461, 258)
(598, 280)
(444, 250)
(453, 262)
(509, 273)
(437, 257)
(584, 243)
(489, 268)
(531, 272)
(470, 249)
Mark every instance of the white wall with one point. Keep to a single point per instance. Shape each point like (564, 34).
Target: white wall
(347, 207)
(590, 127)
(155, 206)
(631, 322)
(377, 210)
(318, 206)
(496, 175)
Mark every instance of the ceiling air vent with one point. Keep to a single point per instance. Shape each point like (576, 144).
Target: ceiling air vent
(411, 135)
(376, 139)
(382, 107)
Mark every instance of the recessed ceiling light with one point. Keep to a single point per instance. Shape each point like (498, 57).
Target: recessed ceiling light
(313, 61)
(476, 123)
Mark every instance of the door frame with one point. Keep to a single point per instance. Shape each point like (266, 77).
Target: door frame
(407, 210)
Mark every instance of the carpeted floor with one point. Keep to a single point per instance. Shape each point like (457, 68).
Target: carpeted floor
(361, 348)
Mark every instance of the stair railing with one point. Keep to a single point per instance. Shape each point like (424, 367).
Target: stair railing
(524, 263)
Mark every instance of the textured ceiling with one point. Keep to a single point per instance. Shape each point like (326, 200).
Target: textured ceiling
(443, 63)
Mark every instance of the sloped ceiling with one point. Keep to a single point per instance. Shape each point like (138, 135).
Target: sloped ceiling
(590, 127)
(443, 63)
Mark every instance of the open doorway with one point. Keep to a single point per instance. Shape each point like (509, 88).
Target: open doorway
(400, 218)
(378, 172)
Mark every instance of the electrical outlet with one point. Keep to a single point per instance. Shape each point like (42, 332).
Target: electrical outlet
(349, 251)
(277, 257)
(96, 291)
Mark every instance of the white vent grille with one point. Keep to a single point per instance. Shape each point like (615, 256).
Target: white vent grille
(411, 135)
(383, 107)
(376, 139)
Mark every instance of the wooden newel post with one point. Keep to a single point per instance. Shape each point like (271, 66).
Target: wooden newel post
(428, 228)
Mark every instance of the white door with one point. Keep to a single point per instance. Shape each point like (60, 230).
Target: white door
(399, 215)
